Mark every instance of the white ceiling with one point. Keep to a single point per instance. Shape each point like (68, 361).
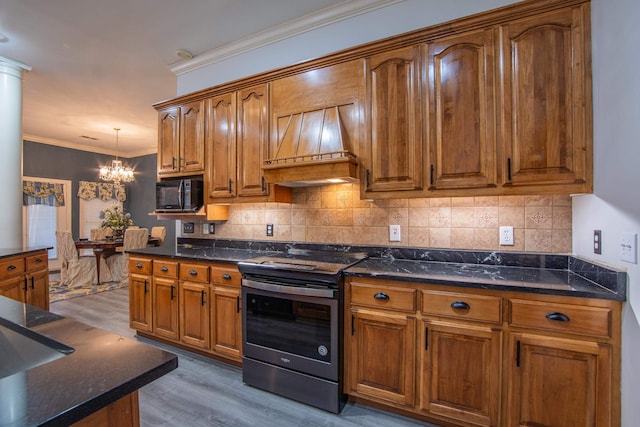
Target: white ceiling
(98, 65)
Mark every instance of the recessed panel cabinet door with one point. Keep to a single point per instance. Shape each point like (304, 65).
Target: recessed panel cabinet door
(165, 307)
(546, 111)
(461, 113)
(393, 146)
(194, 314)
(221, 141)
(168, 141)
(192, 137)
(559, 382)
(253, 140)
(140, 302)
(226, 322)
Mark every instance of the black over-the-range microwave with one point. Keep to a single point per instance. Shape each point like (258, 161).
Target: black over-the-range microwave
(179, 195)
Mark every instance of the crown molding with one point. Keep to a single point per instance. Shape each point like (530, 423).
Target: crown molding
(289, 29)
(76, 146)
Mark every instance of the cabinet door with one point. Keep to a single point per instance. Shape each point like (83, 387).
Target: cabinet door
(226, 322)
(140, 302)
(461, 372)
(221, 141)
(253, 140)
(558, 382)
(393, 144)
(38, 289)
(165, 307)
(194, 314)
(13, 288)
(383, 356)
(461, 112)
(546, 111)
(168, 141)
(192, 137)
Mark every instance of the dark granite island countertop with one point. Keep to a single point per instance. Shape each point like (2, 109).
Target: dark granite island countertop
(495, 277)
(103, 368)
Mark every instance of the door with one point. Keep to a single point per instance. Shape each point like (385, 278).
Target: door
(221, 140)
(557, 382)
(194, 314)
(253, 140)
(383, 355)
(461, 372)
(140, 302)
(168, 141)
(38, 289)
(165, 307)
(192, 137)
(226, 321)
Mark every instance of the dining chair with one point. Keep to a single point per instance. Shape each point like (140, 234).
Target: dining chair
(159, 233)
(75, 270)
(134, 238)
(99, 233)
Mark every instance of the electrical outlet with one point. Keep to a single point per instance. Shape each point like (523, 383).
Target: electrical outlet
(394, 233)
(628, 247)
(269, 230)
(188, 227)
(597, 241)
(506, 235)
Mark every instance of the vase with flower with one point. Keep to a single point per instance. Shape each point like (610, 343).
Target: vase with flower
(115, 218)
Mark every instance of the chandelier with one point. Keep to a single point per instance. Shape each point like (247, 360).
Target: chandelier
(116, 172)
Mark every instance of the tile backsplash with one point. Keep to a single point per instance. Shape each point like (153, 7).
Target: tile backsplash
(335, 214)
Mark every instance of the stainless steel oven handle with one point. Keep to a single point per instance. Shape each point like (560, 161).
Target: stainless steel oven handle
(291, 290)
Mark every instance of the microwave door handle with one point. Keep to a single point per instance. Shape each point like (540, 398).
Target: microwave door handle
(181, 194)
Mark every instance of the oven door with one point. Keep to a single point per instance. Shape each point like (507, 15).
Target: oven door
(292, 327)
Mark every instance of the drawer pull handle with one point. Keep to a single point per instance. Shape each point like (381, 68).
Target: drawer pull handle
(138, 265)
(460, 305)
(382, 296)
(560, 317)
(193, 272)
(226, 276)
(11, 268)
(38, 260)
(164, 268)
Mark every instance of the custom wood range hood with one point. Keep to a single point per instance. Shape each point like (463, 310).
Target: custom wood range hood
(313, 149)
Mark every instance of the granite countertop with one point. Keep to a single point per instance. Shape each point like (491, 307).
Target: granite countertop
(103, 368)
(555, 274)
(479, 276)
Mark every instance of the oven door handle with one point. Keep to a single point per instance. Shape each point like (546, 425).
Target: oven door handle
(290, 290)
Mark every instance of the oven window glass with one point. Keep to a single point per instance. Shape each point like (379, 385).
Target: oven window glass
(300, 328)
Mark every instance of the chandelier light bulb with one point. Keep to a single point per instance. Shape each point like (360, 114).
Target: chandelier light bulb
(117, 172)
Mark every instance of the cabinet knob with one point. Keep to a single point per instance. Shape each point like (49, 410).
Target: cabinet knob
(193, 272)
(381, 296)
(226, 276)
(460, 305)
(38, 260)
(559, 317)
(164, 268)
(11, 268)
(138, 265)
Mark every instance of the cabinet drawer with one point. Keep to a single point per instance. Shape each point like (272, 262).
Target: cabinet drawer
(12, 267)
(37, 262)
(462, 306)
(162, 268)
(226, 275)
(140, 265)
(194, 273)
(386, 297)
(568, 318)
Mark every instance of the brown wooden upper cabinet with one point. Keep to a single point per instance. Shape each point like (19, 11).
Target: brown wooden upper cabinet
(181, 139)
(392, 153)
(460, 114)
(546, 122)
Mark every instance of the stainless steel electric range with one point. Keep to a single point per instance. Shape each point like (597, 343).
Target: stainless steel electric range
(292, 325)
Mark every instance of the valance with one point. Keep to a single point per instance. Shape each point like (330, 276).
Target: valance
(105, 191)
(42, 193)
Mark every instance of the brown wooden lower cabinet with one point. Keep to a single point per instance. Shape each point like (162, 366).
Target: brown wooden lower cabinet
(124, 412)
(191, 304)
(25, 278)
(472, 357)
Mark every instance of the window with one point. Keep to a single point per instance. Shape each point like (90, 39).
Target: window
(90, 214)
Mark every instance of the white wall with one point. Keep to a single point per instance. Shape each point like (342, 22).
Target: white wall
(615, 205)
(398, 18)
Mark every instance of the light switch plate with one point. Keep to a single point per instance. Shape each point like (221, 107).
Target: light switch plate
(628, 249)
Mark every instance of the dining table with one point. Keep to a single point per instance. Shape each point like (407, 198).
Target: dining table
(106, 247)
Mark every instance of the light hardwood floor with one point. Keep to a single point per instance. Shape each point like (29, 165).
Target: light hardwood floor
(205, 392)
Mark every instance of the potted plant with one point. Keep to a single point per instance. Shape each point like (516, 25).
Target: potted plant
(115, 218)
